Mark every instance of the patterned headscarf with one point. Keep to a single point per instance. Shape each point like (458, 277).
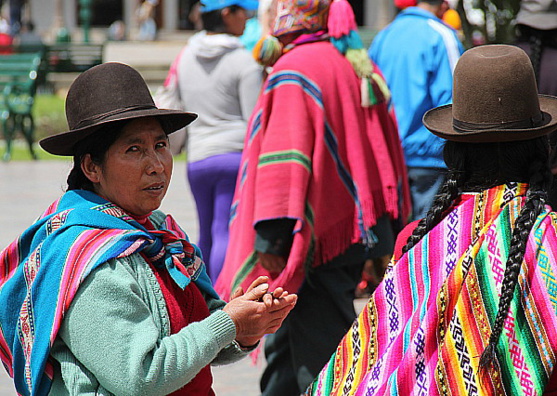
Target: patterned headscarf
(328, 19)
(307, 16)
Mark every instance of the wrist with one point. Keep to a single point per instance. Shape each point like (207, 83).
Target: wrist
(244, 348)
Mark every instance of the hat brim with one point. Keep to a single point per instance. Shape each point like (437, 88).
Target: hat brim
(64, 143)
(440, 122)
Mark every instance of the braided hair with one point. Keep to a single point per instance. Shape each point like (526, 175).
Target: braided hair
(475, 167)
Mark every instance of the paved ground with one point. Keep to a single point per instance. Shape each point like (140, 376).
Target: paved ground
(27, 188)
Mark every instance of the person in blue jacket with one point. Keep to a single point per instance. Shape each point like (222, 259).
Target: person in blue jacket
(417, 53)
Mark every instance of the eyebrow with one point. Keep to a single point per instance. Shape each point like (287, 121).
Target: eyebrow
(136, 139)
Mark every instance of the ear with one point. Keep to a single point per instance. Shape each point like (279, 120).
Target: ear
(91, 170)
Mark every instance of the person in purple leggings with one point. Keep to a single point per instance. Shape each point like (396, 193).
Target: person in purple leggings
(219, 80)
(212, 182)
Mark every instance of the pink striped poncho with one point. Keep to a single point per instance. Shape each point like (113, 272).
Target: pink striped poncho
(313, 154)
(424, 329)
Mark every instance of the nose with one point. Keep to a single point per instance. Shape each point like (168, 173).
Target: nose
(154, 164)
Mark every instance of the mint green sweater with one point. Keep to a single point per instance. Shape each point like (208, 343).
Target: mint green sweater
(115, 338)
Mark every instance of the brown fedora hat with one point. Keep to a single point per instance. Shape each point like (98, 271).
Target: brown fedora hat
(104, 94)
(495, 99)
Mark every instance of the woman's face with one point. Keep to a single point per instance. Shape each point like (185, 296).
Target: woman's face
(136, 170)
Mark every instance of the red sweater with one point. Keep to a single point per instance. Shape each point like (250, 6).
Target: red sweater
(184, 307)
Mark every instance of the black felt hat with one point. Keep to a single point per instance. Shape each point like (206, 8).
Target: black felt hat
(104, 94)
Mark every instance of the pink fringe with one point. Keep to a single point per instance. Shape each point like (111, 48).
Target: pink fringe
(341, 19)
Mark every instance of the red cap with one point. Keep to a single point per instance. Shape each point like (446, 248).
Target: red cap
(402, 4)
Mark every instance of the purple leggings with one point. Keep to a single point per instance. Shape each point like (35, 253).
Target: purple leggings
(212, 182)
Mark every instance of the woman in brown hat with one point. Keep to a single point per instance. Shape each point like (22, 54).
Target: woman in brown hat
(469, 303)
(104, 294)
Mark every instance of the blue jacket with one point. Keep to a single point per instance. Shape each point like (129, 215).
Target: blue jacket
(417, 53)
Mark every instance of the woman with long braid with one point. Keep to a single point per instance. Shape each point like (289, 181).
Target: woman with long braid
(469, 302)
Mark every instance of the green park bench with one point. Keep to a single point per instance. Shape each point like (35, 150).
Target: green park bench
(73, 57)
(18, 84)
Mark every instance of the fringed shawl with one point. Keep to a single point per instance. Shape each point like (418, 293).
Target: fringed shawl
(42, 270)
(314, 154)
(424, 329)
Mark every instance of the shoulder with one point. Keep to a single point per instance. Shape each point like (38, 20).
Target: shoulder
(402, 238)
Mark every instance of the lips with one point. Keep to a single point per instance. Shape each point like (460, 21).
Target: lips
(155, 187)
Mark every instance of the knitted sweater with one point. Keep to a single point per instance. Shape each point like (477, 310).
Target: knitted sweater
(115, 338)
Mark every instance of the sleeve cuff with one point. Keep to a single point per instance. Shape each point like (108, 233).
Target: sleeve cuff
(222, 326)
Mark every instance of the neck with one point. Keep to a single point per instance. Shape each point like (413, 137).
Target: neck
(433, 8)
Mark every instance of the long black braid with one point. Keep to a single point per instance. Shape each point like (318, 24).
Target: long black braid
(444, 199)
(539, 184)
(479, 166)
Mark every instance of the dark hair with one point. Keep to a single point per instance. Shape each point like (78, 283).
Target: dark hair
(96, 145)
(477, 167)
(213, 22)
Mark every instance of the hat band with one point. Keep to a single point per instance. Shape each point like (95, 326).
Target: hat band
(466, 127)
(100, 117)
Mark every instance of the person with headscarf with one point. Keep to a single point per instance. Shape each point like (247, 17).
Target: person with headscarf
(321, 181)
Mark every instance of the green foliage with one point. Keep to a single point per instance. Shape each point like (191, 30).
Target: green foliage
(50, 118)
(49, 115)
(488, 21)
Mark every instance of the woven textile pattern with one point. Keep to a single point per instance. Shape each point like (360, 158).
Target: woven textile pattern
(426, 326)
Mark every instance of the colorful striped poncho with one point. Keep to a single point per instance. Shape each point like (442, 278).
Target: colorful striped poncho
(424, 329)
(41, 271)
(314, 154)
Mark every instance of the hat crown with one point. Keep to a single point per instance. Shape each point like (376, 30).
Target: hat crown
(105, 90)
(495, 85)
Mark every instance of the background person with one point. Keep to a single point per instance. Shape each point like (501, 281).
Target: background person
(470, 292)
(218, 79)
(121, 302)
(536, 26)
(320, 179)
(417, 53)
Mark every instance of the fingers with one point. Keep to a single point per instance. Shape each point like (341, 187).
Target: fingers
(274, 304)
(237, 293)
(260, 280)
(257, 292)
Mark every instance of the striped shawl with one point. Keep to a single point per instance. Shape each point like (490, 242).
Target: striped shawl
(424, 329)
(41, 271)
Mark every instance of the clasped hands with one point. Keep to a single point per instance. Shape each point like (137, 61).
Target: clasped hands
(258, 311)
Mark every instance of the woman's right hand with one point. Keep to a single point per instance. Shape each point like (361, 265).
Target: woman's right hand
(258, 312)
